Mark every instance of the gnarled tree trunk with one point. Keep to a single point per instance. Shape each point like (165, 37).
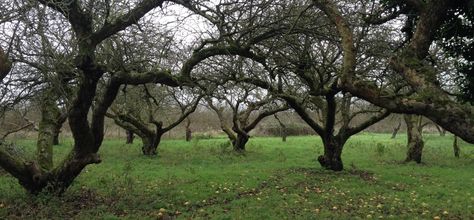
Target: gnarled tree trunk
(47, 131)
(240, 142)
(331, 159)
(150, 143)
(415, 139)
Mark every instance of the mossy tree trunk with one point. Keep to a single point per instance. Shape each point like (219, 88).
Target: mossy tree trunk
(47, 131)
(415, 139)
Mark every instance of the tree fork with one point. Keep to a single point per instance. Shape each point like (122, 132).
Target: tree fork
(151, 143)
(240, 142)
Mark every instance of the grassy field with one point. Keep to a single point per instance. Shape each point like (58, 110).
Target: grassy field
(204, 179)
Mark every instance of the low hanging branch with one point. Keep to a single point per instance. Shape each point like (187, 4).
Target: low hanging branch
(17, 129)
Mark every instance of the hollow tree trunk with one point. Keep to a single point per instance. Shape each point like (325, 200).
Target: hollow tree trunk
(331, 159)
(150, 144)
(130, 137)
(396, 129)
(415, 139)
(240, 142)
(456, 147)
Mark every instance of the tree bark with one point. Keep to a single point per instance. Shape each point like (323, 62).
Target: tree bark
(240, 142)
(331, 159)
(130, 137)
(396, 129)
(47, 130)
(60, 119)
(150, 144)
(456, 147)
(415, 139)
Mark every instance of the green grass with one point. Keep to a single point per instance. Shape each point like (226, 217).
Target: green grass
(204, 179)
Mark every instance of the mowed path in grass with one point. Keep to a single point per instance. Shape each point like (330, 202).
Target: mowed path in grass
(204, 179)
